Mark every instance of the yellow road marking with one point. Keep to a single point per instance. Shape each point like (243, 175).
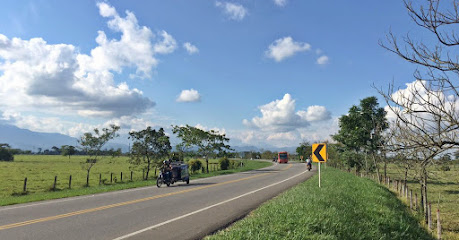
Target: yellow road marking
(45, 219)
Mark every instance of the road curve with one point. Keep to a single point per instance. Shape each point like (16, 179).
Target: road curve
(177, 212)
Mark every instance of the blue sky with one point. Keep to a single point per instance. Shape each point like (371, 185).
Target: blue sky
(266, 73)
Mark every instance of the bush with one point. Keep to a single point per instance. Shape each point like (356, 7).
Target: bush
(195, 165)
(234, 164)
(224, 163)
(6, 155)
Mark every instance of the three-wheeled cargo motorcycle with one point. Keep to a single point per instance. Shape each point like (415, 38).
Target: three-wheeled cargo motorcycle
(178, 171)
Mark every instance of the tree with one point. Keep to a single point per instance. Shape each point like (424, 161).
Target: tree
(92, 144)
(361, 131)
(305, 150)
(5, 153)
(207, 142)
(55, 150)
(149, 147)
(267, 154)
(427, 113)
(67, 150)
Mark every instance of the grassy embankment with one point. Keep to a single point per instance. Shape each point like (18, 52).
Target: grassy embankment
(346, 207)
(40, 171)
(443, 193)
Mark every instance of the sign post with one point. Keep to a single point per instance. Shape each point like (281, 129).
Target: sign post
(319, 154)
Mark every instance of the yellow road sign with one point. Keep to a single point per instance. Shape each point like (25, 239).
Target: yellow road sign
(319, 152)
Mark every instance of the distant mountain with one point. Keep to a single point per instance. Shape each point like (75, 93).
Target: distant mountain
(28, 140)
(257, 149)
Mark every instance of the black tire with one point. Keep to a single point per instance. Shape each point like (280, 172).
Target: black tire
(159, 182)
(168, 184)
(188, 181)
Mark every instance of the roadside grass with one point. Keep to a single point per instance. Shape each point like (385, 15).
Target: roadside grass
(346, 207)
(443, 193)
(41, 169)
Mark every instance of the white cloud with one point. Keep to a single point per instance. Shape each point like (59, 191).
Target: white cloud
(233, 10)
(323, 60)
(315, 113)
(285, 47)
(280, 3)
(58, 79)
(189, 96)
(191, 49)
(280, 116)
(283, 136)
(167, 45)
(281, 125)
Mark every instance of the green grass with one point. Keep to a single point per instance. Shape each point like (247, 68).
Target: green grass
(443, 193)
(41, 169)
(346, 207)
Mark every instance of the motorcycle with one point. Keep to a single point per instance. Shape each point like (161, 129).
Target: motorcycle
(178, 172)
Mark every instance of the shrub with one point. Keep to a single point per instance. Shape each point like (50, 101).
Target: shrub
(195, 165)
(224, 163)
(5, 154)
(234, 164)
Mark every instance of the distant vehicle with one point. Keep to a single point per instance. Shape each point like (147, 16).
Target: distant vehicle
(282, 157)
(178, 172)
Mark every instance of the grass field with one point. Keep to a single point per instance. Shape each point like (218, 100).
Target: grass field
(346, 207)
(40, 171)
(443, 193)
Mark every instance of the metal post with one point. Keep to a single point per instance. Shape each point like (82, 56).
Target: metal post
(319, 174)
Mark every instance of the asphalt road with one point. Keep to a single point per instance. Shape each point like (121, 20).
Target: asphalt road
(177, 212)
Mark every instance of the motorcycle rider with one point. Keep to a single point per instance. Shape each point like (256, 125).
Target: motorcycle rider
(167, 170)
(309, 163)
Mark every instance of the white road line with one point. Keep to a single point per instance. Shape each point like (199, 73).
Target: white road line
(53, 201)
(204, 209)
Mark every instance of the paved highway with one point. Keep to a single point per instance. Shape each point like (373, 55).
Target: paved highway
(177, 212)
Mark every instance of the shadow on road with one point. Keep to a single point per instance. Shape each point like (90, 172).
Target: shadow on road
(189, 185)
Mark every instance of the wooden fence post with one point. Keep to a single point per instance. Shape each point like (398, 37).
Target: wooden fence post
(438, 224)
(111, 177)
(70, 182)
(429, 216)
(25, 185)
(416, 201)
(121, 176)
(401, 187)
(131, 176)
(100, 178)
(411, 199)
(54, 185)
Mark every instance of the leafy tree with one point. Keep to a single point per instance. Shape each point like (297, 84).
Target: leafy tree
(5, 153)
(305, 150)
(207, 142)
(92, 144)
(361, 130)
(267, 154)
(149, 148)
(55, 150)
(67, 150)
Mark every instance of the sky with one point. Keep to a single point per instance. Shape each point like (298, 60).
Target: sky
(265, 73)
